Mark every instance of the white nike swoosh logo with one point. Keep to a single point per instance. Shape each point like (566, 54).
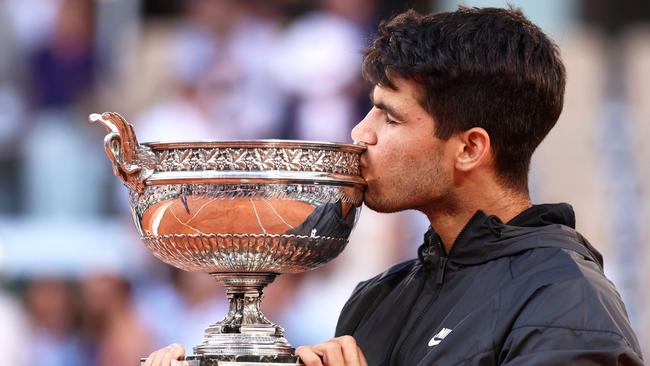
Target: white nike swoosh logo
(436, 339)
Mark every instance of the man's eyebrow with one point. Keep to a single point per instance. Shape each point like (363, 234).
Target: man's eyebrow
(386, 108)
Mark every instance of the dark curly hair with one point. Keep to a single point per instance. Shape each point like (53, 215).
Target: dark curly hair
(477, 67)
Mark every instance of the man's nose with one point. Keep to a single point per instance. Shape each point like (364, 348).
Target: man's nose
(363, 132)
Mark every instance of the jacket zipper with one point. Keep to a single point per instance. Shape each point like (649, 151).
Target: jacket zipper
(440, 277)
(442, 261)
(442, 266)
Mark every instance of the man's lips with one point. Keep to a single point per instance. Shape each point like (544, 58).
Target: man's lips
(363, 169)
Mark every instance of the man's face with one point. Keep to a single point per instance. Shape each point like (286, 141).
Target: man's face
(406, 166)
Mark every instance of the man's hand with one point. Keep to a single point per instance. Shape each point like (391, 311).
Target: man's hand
(167, 356)
(341, 351)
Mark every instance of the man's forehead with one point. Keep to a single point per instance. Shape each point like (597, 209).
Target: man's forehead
(378, 94)
(378, 91)
(403, 88)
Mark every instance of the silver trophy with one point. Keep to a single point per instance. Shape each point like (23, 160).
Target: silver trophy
(244, 212)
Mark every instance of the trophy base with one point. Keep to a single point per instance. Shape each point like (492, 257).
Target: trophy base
(243, 360)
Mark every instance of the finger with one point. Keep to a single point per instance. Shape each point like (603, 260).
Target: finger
(156, 360)
(175, 351)
(362, 357)
(308, 356)
(154, 357)
(149, 360)
(164, 356)
(349, 349)
(331, 352)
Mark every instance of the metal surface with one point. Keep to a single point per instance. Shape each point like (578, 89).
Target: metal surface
(225, 360)
(228, 363)
(244, 211)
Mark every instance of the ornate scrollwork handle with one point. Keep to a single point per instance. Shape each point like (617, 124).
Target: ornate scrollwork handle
(132, 162)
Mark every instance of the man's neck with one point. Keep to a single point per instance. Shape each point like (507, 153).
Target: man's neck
(449, 223)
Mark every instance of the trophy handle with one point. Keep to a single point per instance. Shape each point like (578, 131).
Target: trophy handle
(132, 162)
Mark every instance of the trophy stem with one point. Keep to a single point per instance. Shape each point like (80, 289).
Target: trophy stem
(245, 329)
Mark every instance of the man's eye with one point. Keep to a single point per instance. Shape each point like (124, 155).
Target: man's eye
(391, 122)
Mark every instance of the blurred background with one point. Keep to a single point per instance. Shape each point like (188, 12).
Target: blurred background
(76, 285)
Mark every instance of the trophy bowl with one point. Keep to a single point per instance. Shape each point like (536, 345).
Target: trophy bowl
(244, 212)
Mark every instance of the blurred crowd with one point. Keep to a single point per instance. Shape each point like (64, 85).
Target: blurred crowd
(77, 287)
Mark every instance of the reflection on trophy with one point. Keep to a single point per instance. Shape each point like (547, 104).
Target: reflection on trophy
(243, 211)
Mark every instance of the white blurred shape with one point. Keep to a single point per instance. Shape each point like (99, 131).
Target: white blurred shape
(174, 119)
(13, 332)
(319, 54)
(32, 20)
(68, 247)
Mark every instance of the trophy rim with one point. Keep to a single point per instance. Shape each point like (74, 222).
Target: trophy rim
(243, 235)
(254, 177)
(262, 143)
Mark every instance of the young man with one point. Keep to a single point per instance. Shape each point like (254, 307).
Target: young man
(461, 101)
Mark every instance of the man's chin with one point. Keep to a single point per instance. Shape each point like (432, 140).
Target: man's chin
(379, 206)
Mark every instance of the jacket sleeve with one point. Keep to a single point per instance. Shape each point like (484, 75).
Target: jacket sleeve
(536, 345)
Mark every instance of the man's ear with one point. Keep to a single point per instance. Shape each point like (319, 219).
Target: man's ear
(473, 150)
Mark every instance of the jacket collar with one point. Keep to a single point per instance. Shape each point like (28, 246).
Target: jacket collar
(486, 237)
